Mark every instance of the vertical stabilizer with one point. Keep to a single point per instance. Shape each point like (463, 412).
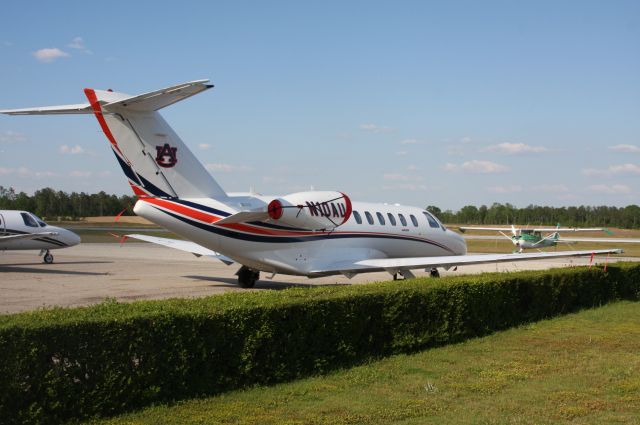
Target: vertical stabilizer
(152, 156)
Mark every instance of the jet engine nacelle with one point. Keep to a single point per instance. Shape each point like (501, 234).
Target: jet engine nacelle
(311, 210)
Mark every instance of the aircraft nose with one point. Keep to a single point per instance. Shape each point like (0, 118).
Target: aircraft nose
(70, 238)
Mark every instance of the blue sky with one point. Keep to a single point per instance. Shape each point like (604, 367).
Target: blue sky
(422, 103)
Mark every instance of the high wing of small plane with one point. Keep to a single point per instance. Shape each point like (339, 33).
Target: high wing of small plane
(311, 233)
(22, 230)
(536, 238)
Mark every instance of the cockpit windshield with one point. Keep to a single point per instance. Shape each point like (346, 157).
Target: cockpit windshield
(29, 220)
(39, 220)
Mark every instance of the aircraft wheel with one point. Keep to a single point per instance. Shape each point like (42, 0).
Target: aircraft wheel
(434, 272)
(247, 278)
(48, 258)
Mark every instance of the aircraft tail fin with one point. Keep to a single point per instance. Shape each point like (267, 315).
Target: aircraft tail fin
(152, 156)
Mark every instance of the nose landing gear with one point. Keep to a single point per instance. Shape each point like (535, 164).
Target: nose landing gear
(47, 258)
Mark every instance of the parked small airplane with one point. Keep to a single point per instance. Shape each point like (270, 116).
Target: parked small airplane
(535, 239)
(22, 230)
(315, 233)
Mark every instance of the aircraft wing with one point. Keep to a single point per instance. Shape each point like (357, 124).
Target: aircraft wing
(603, 240)
(488, 229)
(26, 236)
(187, 246)
(404, 265)
(572, 229)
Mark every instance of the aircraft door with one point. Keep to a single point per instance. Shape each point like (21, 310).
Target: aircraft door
(3, 226)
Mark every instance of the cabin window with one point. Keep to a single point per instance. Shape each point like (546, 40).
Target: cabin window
(356, 215)
(392, 219)
(402, 220)
(369, 217)
(28, 220)
(380, 218)
(432, 221)
(414, 220)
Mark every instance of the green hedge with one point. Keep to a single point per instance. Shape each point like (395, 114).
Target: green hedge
(69, 364)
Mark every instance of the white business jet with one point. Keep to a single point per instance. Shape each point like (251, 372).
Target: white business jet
(22, 230)
(315, 233)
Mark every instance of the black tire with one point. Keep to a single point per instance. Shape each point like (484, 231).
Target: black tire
(48, 258)
(434, 272)
(247, 278)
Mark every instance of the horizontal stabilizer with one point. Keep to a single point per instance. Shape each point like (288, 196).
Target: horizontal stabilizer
(81, 108)
(158, 99)
(187, 246)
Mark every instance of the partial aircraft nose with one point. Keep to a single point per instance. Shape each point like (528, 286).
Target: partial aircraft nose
(459, 245)
(67, 236)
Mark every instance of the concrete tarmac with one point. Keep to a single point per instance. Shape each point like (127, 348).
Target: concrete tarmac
(89, 273)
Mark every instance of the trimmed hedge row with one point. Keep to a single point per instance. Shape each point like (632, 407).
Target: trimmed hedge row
(69, 364)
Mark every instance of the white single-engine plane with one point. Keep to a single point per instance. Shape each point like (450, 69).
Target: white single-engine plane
(315, 233)
(22, 230)
(544, 237)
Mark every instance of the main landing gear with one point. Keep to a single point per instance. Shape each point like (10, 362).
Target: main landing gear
(47, 258)
(434, 272)
(247, 277)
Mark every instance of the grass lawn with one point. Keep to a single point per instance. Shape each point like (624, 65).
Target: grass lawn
(582, 369)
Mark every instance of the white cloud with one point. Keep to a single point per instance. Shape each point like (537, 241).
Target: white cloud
(455, 151)
(26, 172)
(80, 174)
(409, 142)
(614, 189)
(48, 55)
(226, 168)
(78, 44)
(476, 166)
(204, 146)
(551, 188)
(401, 153)
(412, 167)
(612, 170)
(373, 128)
(73, 150)
(466, 140)
(515, 148)
(395, 177)
(625, 148)
(504, 189)
(12, 137)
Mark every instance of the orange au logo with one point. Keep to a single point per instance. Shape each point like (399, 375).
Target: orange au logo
(166, 156)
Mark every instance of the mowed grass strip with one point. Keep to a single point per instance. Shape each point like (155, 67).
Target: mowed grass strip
(581, 368)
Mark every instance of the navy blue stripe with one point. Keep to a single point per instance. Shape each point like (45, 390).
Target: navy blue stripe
(51, 241)
(202, 207)
(128, 171)
(155, 190)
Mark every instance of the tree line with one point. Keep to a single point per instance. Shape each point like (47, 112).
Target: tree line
(51, 204)
(583, 216)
